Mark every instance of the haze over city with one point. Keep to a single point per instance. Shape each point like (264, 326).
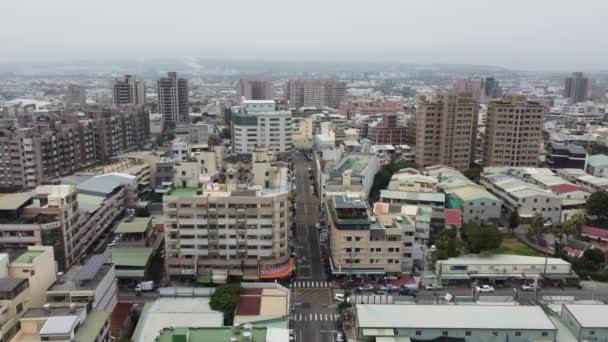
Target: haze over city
(541, 34)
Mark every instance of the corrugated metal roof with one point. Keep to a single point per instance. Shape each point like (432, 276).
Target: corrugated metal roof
(14, 201)
(414, 196)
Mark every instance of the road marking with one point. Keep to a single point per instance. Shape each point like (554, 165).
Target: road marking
(311, 317)
(315, 317)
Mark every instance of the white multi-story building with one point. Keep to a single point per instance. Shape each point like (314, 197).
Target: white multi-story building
(260, 125)
(239, 227)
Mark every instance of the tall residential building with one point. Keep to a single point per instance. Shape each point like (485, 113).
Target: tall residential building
(260, 125)
(513, 133)
(445, 128)
(575, 87)
(240, 226)
(492, 88)
(173, 99)
(76, 96)
(473, 86)
(387, 132)
(255, 90)
(315, 93)
(129, 91)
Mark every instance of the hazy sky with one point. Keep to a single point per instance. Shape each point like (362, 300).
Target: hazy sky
(530, 34)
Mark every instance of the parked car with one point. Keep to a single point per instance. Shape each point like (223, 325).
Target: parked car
(380, 290)
(484, 289)
(339, 337)
(529, 287)
(406, 291)
(366, 287)
(432, 287)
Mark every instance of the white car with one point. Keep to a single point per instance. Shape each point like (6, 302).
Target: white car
(292, 335)
(529, 287)
(339, 337)
(485, 289)
(341, 298)
(433, 287)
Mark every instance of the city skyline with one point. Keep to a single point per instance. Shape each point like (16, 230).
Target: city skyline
(474, 32)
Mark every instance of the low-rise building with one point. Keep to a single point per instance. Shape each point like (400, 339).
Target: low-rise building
(93, 283)
(14, 298)
(38, 265)
(586, 321)
(359, 243)
(469, 323)
(503, 267)
(475, 203)
(597, 165)
(560, 156)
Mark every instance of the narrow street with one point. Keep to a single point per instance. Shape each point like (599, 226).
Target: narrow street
(314, 318)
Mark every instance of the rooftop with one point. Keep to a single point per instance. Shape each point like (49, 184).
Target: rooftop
(104, 184)
(10, 284)
(53, 311)
(453, 317)
(597, 160)
(471, 192)
(220, 334)
(167, 312)
(135, 225)
(261, 304)
(413, 196)
(502, 259)
(71, 280)
(91, 327)
(27, 257)
(14, 201)
(131, 256)
(185, 192)
(589, 315)
(59, 325)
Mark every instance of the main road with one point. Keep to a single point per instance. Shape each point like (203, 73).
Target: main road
(314, 318)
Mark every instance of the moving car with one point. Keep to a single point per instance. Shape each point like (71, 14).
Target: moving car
(433, 287)
(341, 298)
(380, 290)
(366, 287)
(529, 287)
(484, 289)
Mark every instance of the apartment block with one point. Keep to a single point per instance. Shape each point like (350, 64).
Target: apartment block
(575, 87)
(260, 125)
(513, 134)
(249, 89)
(14, 298)
(387, 132)
(315, 93)
(173, 99)
(129, 91)
(360, 245)
(238, 227)
(445, 129)
(37, 264)
(76, 96)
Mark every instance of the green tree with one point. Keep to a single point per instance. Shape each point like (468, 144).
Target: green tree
(473, 173)
(514, 219)
(597, 205)
(481, 237)
(214, 140)
(383, 177)
(225, 133)
(448, 245)
(537, 224)
(574, 225)
(225, 299)
(593, 259)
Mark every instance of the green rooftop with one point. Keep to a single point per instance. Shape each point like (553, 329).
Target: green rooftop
(14, 201)
(92, 326)
(136, 225)
(27, 257)
(131, 256)
(185, 192)
(221, 334)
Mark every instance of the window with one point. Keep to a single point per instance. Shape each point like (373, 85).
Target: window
(444, 333)
(418, 333)
(467, 333)
(518, 333)
(545, 334)
(591, 332)
(349, 238)
(494, 333)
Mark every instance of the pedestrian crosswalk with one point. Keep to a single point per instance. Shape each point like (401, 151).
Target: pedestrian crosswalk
(321, 317)
(311, 284)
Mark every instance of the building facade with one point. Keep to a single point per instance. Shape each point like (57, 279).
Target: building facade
(513, 133)
(173, 99)
(575, 87)
(130, 91)
(260, 125)
(315, 93)
(249, 89)
(388, 132)
(445, 129)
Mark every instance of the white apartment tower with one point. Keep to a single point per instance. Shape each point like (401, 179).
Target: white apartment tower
(260, 125)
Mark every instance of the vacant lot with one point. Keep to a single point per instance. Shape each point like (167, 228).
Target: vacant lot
(511, 245)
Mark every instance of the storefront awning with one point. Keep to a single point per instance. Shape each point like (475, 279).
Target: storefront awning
(205, 278)
(280, 272)
(378, 332)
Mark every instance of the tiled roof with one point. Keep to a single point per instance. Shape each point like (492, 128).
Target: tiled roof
(565, 188)
(119, 315)
(594, 231)
(452, 217)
